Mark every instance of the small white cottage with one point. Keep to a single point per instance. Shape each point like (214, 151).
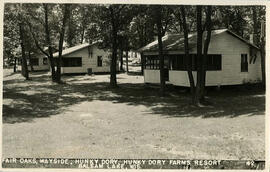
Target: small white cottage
(38, 63)
(85, 58)
(231, 60)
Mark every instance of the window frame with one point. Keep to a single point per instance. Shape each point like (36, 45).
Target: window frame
(99, 61)
(244, 62)
(34, 61)
(216, 62)
(179, 62)
(45, 59)
(72, 64)
(151, 62)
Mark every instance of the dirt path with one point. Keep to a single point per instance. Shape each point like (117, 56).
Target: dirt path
(113, 129)
(122, 131)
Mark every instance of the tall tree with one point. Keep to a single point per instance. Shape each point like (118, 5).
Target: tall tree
(202, 57)
(141, 29)
(24, 71)
(115, 12)
(199, 54)
(52, 14)
(11, 35)
(162, 16)
(66, 12)
(187, 56)
(158, 18)
(208, 26)
(79, 20)
(262, 51)
(118, 17)
(258, 30)
(44, 9)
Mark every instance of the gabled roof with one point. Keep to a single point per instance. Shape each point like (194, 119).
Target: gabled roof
(73, 49)
(175, 42)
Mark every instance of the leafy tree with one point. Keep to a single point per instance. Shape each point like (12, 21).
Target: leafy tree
(16, 34)
(40, 28)
(160, 33)
(66, 12)
(162, 16)
(142, 29)
(11, 35)
(79, 20)
(208, 26)
(25, 72)
(258, 28)
(52, 33)
(118, 17)
(199, 54)
(182, 20)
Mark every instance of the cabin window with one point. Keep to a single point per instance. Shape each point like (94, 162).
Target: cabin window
(99, 61)
(72, 62)
(213, 62)
(244, 63)
(180, 62)
(193, 62)
(151, 62)
(34, 62)
(45, 61)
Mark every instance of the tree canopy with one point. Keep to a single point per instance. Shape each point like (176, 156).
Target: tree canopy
(118, 27)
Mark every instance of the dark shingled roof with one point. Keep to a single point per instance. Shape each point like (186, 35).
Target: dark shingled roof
(175, 42)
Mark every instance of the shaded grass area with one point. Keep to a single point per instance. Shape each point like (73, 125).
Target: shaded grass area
(52, 99)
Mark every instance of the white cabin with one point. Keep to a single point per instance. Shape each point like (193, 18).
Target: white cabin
(85, 58)
(231, 60)
(39, 63)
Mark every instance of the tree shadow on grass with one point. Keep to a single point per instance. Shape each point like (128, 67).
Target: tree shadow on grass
(25, 103)
(10, 74)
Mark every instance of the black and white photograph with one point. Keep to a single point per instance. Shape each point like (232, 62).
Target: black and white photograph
(142, 86)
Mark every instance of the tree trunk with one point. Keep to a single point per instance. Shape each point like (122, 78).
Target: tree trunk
(262, 50)
(160, 50)
(15, 65)
(62, 34)
(187, 56)
(255, 26)
(121, 60)
(48, 42)
(142, 57)
(199, 55)
(113, 81)
(30, 62)
(205, 50)
(127, 61)
(82, 35)
(24, 61)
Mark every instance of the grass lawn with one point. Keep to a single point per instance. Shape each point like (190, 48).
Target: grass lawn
(84, 118)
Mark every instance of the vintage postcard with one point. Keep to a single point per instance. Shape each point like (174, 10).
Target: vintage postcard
(134, 85)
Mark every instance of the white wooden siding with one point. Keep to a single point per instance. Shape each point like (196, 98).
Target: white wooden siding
(89, 62)
(231, 49)
(151, 76)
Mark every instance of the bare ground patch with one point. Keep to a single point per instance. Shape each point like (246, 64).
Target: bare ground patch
(86, 118)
